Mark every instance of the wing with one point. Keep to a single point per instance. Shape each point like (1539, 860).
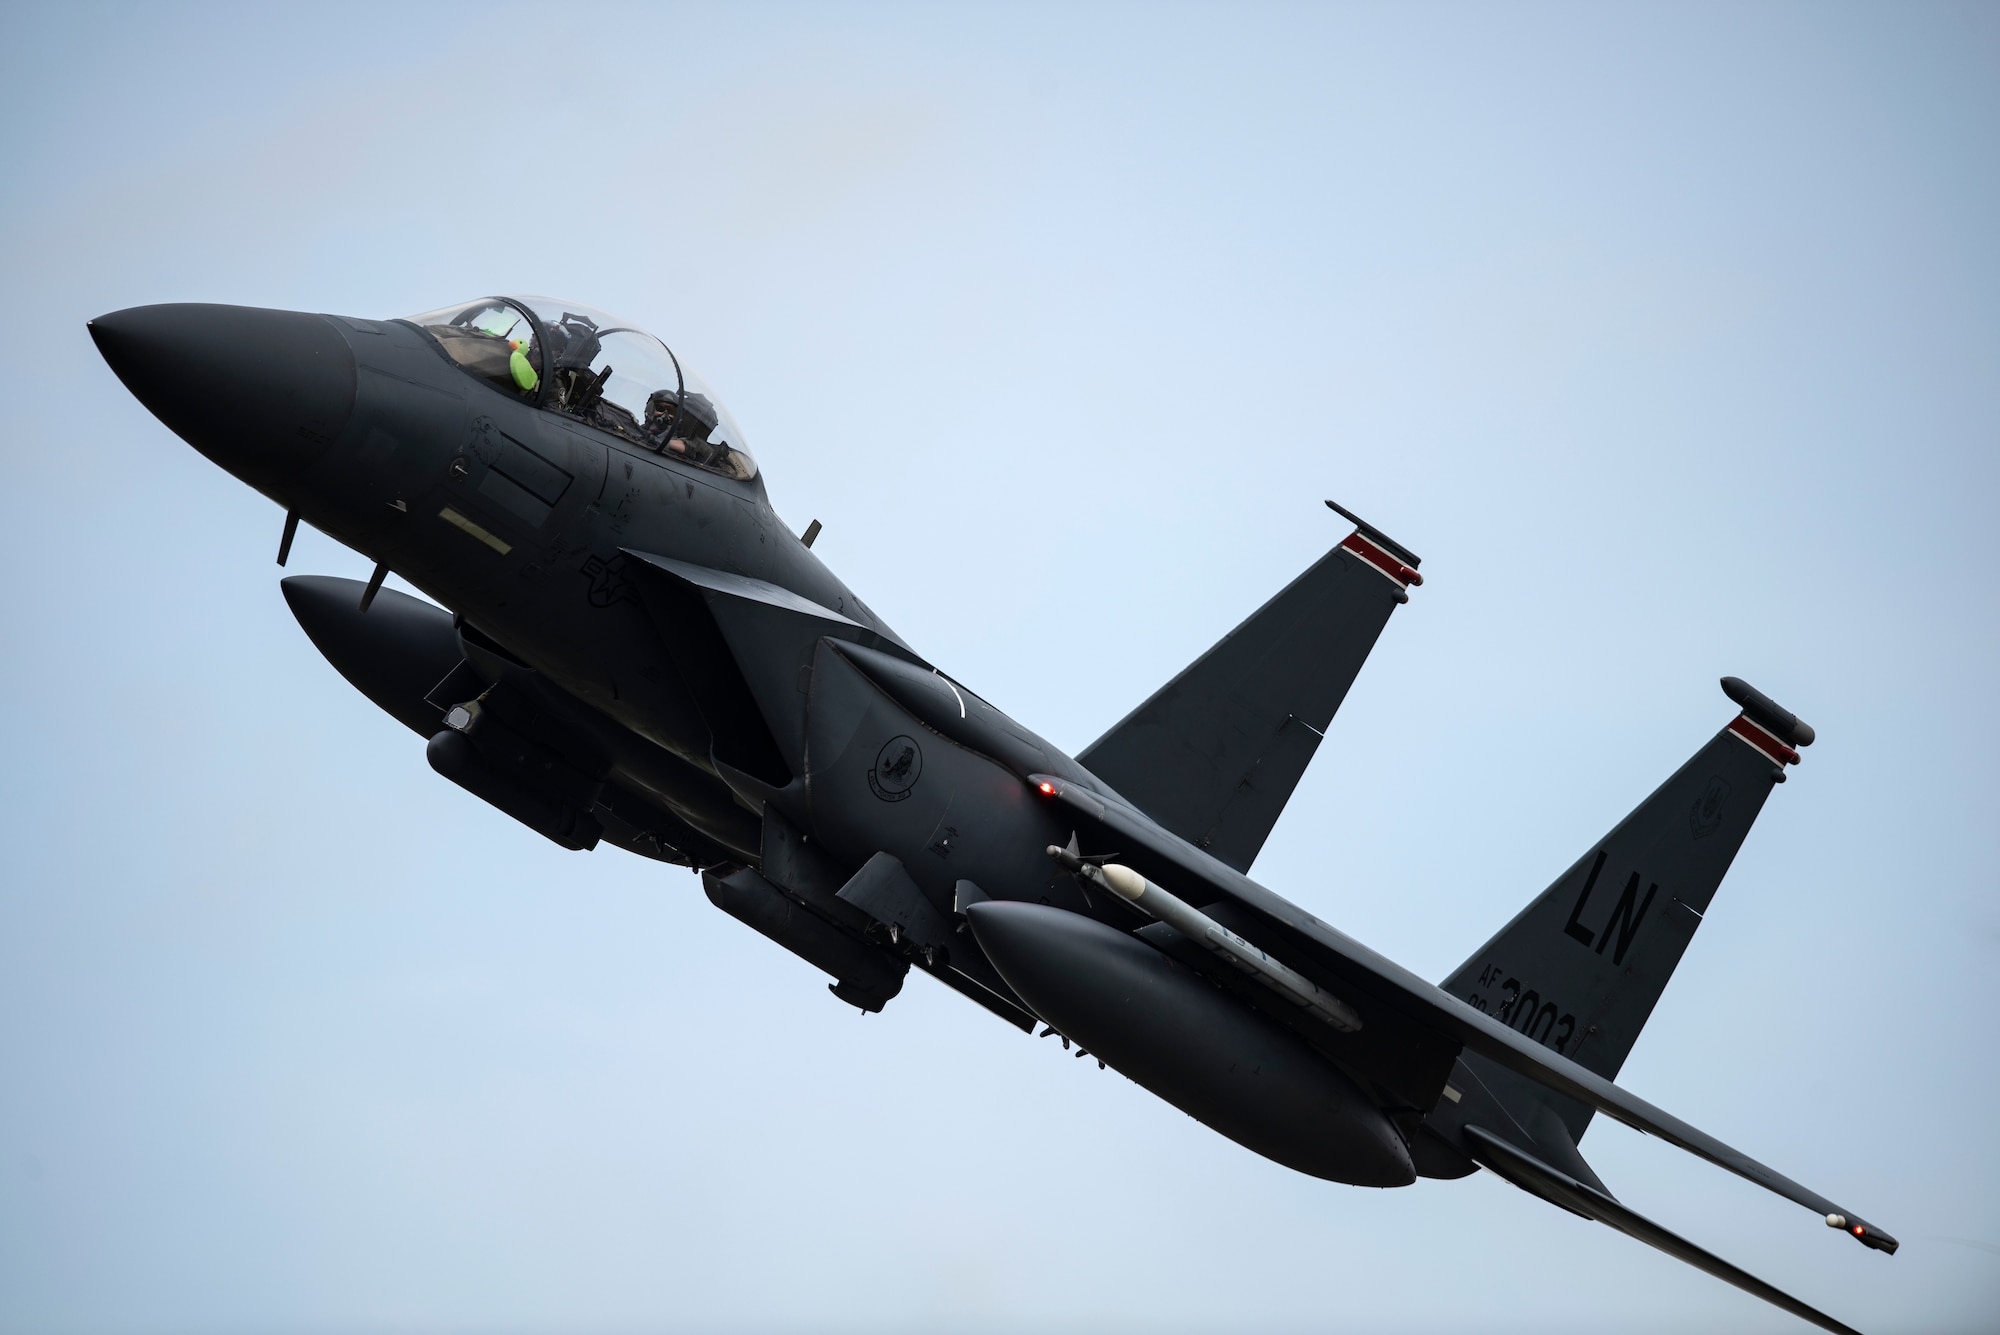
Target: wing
(1388, 995)
(1551, 1184)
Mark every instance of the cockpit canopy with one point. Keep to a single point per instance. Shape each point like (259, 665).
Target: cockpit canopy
(579, 361)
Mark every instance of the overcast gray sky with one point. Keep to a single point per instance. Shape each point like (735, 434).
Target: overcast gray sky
(1669, 336)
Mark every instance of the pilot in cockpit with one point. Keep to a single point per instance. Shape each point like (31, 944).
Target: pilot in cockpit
(698, 420)
(660, 407)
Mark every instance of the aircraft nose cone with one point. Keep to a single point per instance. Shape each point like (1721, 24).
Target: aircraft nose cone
(261, 392)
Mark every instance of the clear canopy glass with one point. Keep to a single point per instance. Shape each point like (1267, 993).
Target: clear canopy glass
(494, 340)
(590, 365)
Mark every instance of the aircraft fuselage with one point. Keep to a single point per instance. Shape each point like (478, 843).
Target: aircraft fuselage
(627, 645)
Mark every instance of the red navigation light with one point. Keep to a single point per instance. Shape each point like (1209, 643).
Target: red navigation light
(1047, 787)
(1858, 1230)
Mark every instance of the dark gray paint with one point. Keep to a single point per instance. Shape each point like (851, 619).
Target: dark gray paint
(1593, 1202)
(1169, 1029)
(1582, 966)
(885, 892)
(650, 649)
(1215, 753)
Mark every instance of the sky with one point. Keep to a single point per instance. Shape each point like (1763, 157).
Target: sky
(1669, 336)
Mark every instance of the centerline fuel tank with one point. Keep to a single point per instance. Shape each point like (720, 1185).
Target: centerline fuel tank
(1173, 1032)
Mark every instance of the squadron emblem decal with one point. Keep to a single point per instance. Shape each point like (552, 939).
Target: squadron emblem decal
(1706, 817)
(897, 767)
(610, 581)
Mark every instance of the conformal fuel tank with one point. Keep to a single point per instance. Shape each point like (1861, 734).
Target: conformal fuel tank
(1170, 1030)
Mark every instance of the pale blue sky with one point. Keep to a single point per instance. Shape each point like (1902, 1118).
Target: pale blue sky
(1670, 337)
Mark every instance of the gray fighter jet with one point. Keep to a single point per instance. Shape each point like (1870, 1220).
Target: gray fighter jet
(638, 652)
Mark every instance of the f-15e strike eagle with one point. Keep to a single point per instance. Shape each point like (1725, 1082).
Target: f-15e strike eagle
(639, 653)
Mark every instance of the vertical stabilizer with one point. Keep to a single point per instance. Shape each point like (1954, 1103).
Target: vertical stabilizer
(1581, 968)
(1215, 754)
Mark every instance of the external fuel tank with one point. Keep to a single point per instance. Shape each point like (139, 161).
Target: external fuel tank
(1178, 1035)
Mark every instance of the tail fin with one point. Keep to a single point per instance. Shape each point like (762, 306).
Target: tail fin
(1215, 753)
(1582, 967)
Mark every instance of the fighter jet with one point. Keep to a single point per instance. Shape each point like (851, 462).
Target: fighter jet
(627, 646)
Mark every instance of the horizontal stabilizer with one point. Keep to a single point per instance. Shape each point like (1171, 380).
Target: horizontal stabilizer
(1215, 754)
(1539, 1179)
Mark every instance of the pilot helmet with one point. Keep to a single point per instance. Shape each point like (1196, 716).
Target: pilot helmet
(660, 407)
(698, 416)
(573, 341)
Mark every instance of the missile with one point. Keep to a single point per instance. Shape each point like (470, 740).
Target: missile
(1198, 927)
